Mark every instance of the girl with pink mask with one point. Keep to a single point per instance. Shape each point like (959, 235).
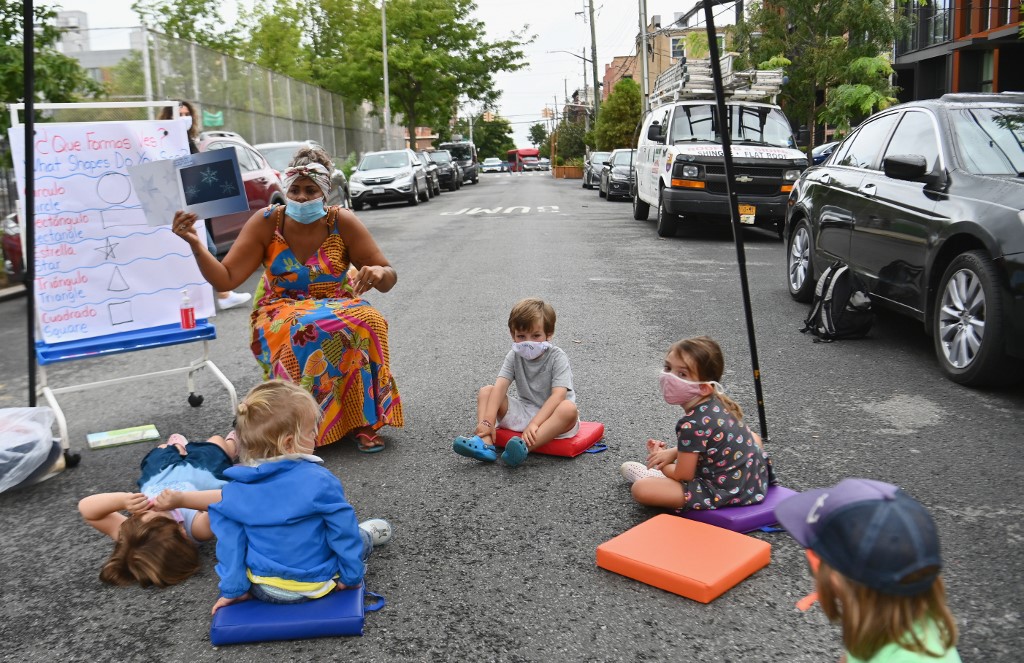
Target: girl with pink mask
(717, 460)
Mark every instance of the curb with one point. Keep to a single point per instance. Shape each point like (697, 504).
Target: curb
(11, 292)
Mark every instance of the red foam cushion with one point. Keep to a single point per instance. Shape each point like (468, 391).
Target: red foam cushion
(685, 557)
(589, 434)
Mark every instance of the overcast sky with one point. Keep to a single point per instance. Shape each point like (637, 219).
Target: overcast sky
(525, 92)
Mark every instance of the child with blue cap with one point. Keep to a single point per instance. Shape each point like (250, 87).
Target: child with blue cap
(879, 570)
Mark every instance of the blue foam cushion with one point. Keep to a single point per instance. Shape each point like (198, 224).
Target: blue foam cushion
(744, 518)
(338, 613)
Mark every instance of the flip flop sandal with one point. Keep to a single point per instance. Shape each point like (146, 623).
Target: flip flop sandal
(474, 447)
(368, 443)
(515, 452)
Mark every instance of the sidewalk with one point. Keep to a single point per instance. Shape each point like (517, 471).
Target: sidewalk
(11, 291)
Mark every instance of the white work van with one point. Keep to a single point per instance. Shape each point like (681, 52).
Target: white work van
(680, 169)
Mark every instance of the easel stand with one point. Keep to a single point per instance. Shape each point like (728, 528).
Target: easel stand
(143, 339)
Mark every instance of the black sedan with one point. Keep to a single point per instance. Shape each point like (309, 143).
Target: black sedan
(592, 166)
(618, 175)
(925, 202)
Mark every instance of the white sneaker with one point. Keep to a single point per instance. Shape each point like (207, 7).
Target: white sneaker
(232, 300)
(632, 470)
(378, 529)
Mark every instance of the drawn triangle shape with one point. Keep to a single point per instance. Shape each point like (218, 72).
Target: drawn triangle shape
(117, 282)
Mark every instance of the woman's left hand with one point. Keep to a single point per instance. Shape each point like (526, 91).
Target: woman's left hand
(368, 276)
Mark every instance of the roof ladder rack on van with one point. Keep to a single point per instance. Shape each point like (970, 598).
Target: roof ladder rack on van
(692, 79)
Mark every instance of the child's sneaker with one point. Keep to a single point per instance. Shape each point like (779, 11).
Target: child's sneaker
(515, 452)
(632, 470)
(378, 529)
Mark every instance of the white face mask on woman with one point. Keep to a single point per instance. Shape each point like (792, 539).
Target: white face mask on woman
(187, 119)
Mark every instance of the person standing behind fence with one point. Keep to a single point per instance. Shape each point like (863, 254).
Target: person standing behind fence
(311, 325)
(187, 112)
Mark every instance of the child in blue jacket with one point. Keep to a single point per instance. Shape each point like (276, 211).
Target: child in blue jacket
(285, 532)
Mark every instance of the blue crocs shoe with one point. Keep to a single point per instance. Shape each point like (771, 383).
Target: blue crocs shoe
(515, 452)
(474, 447)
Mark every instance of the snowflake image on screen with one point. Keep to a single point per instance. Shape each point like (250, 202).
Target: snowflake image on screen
(208, 182)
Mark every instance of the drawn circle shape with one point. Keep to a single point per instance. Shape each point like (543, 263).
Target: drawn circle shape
(114, 188)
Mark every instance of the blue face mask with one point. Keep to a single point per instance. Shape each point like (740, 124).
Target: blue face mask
(310, 211)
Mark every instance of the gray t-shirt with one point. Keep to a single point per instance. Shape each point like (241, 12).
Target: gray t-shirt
(536, 378)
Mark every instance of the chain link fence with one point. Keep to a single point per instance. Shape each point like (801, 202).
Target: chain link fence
(228, 93)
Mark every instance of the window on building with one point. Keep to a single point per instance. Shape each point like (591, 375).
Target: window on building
(678, 48)
(968, 13)
(988, 68)
(986, 16)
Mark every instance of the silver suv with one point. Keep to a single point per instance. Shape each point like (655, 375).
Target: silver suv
(388, 176)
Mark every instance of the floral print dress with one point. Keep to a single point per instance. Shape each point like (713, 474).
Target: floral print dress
(307, 327)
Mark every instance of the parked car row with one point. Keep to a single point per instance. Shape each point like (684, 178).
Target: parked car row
(411, 177)
(614, 172)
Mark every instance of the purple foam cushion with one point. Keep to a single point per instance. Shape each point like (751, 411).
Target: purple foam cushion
(744, 518)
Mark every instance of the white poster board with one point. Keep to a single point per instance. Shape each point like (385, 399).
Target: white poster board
(99, 267)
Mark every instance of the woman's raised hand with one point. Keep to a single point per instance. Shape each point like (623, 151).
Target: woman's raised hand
(184, 226)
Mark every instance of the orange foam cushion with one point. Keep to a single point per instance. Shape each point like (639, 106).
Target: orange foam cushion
(685, 557)
(590, 433)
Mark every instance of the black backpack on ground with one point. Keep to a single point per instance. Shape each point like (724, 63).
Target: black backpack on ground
(841, 308)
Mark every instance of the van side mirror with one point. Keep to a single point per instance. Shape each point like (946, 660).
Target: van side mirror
(654, 133)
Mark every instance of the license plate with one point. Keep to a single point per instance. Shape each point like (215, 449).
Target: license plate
(378, 190)
(747, 213)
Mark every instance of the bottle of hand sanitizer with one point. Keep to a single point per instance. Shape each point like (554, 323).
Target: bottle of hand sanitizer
(188, 313)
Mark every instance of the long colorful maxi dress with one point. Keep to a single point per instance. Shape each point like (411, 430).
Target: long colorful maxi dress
(308, 328)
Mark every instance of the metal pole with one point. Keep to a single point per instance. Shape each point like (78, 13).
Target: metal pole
(387, 88)
(195, 75)
(147, 75)
(645, 84)
(737, 230)
(30, 194)
(586, 114)
(159, 77)
(593, 62)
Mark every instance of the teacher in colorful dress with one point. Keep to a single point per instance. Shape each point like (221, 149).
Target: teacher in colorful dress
(311, 324)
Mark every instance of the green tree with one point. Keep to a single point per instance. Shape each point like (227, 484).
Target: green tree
(616, 125)
(538, 134)
(58, 78)
(189, 20)
(437, 55)
(570, 137)
(822, 39)
(275, 39)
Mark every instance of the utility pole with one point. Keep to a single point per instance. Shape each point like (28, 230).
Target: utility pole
(643, 56)
(593, 62)
(387, 90)
(586, 113)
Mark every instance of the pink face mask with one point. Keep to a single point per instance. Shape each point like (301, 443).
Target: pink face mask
(677, 391)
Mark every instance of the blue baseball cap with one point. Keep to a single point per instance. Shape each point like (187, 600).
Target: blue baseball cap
(869, 531)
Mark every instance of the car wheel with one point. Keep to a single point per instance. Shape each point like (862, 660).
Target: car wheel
(641, 210)
(600, 191)
(437, 187)
(357, 206)
(968, 323)
(666, 220)
(476, 179)
(374, 205)
(414, 198)
(424, 195)
(799, 264)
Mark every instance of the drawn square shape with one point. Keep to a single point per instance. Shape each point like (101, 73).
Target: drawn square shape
(120, 312)
(685, 557)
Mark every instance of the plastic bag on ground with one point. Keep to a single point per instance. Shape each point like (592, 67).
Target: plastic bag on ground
(26, 439)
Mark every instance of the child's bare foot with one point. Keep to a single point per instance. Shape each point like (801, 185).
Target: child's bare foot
(231, 444)
(176, 440)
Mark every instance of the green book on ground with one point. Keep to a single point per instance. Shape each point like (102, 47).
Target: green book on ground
(112, 438)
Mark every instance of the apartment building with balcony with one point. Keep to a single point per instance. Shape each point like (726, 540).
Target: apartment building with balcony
(959, 46)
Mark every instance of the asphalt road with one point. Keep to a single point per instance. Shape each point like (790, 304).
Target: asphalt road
(493, 564)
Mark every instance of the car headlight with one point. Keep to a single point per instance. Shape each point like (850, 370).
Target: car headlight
(356, 180)
(691, 172)
(791, 175)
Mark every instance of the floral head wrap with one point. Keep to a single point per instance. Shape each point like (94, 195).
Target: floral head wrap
(313, 171)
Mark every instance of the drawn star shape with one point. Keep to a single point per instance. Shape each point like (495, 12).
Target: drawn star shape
(209, 176)
(227, 187)
(108, 249)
